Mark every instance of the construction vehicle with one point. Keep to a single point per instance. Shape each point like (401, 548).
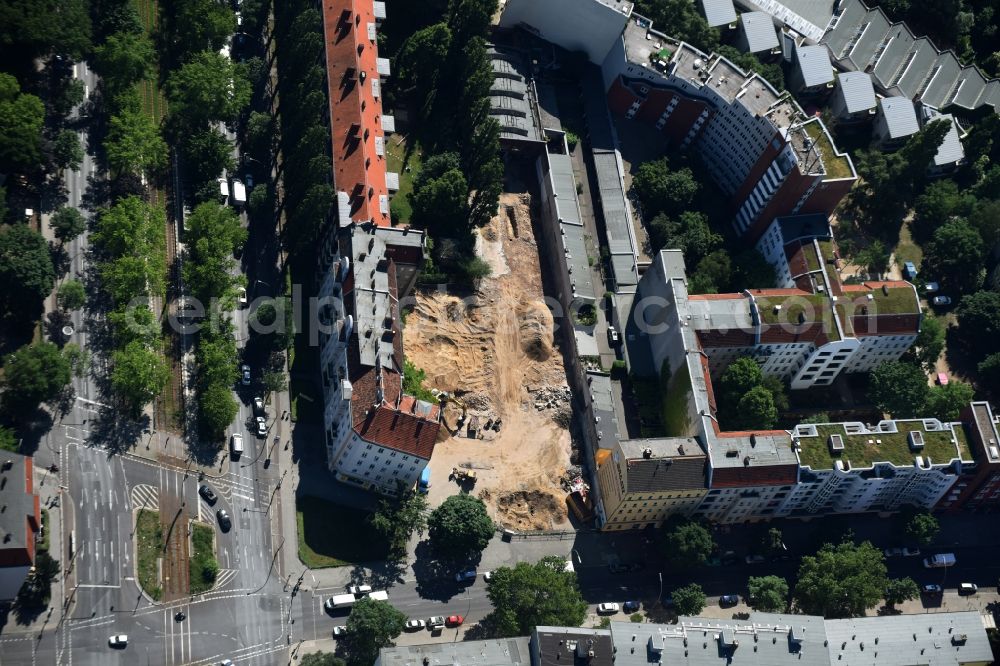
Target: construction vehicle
(463, 476)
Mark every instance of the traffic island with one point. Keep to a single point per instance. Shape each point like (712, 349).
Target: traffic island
(149, 549)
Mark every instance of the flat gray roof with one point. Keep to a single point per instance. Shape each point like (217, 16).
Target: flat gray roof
(760, 31)
(718, 12)
(900, 116)
(814, 63)
(950, 151)
(604, 408)
(859, 93)
(933, 639)
(807, 17)
(571, 225)
(502, 652)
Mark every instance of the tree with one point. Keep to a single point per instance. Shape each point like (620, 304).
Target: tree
(682, 21)
(930, 342)
(21, 119)
(661, 190)
(37, 588)
(756, 409)
(841, 580)
(138, 374)
(874, 257)
(713, 274)
(531, 595)
(742, 375)
(214, 232)
(371, 626)
(917, 155)
(940, 202)
(440, 196)
(397, 518)
(768, 594)
(71, 295)
(26, 269)
(898, 388)
(8, 440)
(945, 402)
(985, 218)
(779, 395)
(898, 590)
(460, 526)
(133, 144)
(124, 59)
(686, 543)
(955, 254)
(920, 526)
(752, 271)
(46, 26)
(67, 153)
(690, 234)
(196, 26)
(321, 659)
(772, 542)
(989, 372)
(979, 324)
(217, 409)
(208, 88)
(206, 154)
(689, 600)
(32, 375)
(419, 65)
(275, 382)
(67, 223)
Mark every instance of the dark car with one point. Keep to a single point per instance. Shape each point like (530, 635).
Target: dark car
(727, 600)
(630, 606)
(224, 521)
(245, 375)
(208, 494)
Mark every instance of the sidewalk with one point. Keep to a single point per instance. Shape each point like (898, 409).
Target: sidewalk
(170, 448)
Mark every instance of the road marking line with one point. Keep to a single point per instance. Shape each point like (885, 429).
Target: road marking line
(114, 587)
(93, 402)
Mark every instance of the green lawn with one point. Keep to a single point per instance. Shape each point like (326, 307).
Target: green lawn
(46, 537)
(331, 535)
(149, 546)
(906, 249)
(397, 160)
(204, 567)
(837, 166)
(153, 102)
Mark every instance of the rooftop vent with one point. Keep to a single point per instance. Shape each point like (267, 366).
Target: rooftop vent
(732, 453)
(915, 438)
(836, 443)
(647, 453)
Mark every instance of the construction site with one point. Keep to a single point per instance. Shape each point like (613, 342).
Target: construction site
(507, 410)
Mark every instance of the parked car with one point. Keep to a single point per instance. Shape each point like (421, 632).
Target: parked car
(608, 607)
(931, 588)
(941, 300)
(466, 575)
(359, 590)
(727, 600)
(260, 426)
(612, 336)
(942, 379)
(454, 621)
(118, 641)
(245, 375)
(241, 297)
(909, 270)
(339, 630)
(967, 588)
(415, 625)
(931, 287)
(755, 559)
(208, 494)
(940, 560)
(435, 622)
(630, 606)
(236, 444)
(224, 521)
(258, 406)
(911, 552)
(893, 552)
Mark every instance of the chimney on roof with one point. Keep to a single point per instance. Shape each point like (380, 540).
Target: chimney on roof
(647, 453)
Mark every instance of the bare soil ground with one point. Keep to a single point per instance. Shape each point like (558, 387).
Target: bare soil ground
(494, 352)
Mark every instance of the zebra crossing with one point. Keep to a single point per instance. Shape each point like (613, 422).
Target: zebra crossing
(225, 577)
(145, 496)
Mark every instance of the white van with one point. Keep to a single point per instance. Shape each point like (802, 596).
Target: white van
(940, 560)
(236, 445)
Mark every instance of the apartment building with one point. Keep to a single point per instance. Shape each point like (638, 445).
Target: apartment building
(978, 488)
(812, 73)
(20, 522)
(759, 146)
(644, 481)
(853, 98)
(354, 73)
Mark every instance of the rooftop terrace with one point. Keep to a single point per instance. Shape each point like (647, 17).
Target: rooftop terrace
(837, 166)
(863, 449)
(885, 299)
(795, 308)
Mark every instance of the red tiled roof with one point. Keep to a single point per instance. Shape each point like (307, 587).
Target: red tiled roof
(715, 297)
(400, 430)
(355, 113)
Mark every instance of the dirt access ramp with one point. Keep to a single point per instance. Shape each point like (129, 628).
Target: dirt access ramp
(495, 352)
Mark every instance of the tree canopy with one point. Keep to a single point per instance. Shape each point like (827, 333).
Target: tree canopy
(209, 88)
(756, 409)
(689, 599)
(397, 518)
(440, 196)
(898, 590)
(899, 388)
(124, 59)
(138, 374)
(979, 324)
(955, 254)
(661, 189)
(841, 581)
(26, 269)
(67, 223)
(21, 119)
(686, 543)
(920, 526)
(930, 342)
(34, 374)
(71, 295)
(133, 144)
(460, 526)
(531, 595)
(945, 402)
(768, 593)
(371, 626)
(46, 26)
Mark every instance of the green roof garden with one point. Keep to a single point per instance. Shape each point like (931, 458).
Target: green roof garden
(891, 301)
(813, 307)
(837, 166)
(864, 450)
